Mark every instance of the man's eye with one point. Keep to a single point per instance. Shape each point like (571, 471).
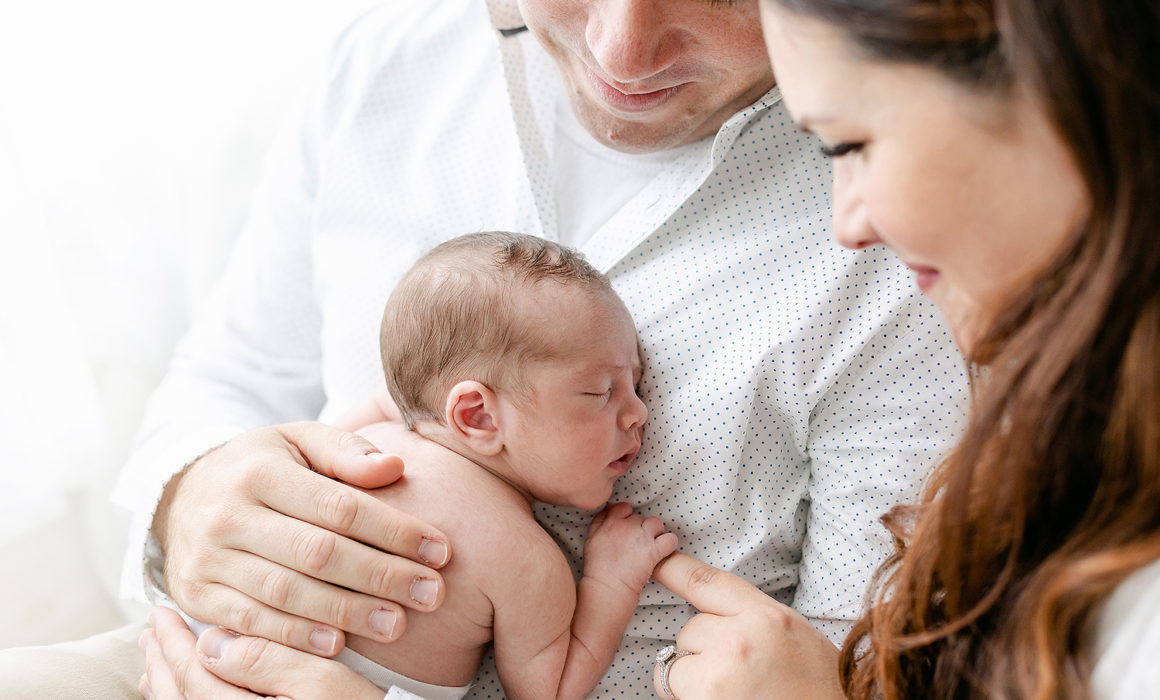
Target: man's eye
(841, 149)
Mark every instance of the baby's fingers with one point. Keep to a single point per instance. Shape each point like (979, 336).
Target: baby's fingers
(665, 545)
(653, 526)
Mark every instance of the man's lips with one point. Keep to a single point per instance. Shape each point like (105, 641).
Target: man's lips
(633, 102)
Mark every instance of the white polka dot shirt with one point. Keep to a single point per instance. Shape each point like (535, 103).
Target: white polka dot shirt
(796, 390)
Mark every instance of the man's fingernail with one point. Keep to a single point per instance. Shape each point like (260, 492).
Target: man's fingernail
(383, 622)
(433, 552)
(324, 641)
(424, 591)
(214, 642)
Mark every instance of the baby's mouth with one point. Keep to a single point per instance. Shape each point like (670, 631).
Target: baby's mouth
(622, 464)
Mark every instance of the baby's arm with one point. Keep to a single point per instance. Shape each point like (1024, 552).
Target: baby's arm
(536, 653)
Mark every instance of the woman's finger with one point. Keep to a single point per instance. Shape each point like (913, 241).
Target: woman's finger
(708, 588)
(683, 677)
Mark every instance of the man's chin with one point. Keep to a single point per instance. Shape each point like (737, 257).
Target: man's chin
(648, 134)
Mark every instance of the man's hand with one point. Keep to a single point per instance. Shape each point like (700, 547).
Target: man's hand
(223, 665)
(623, 546)
(255, 540)
(744, 644)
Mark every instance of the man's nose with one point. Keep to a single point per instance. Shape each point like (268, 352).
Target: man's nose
(633, 40)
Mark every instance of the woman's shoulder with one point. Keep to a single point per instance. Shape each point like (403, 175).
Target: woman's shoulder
(1126, 646)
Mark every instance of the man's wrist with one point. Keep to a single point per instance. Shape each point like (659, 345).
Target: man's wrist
(160, 524)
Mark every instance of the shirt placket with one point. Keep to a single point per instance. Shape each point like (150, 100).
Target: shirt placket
(645, 214)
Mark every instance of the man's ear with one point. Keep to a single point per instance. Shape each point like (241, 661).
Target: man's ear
(471, 416)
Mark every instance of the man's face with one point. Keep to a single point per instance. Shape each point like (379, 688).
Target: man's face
(648, 75)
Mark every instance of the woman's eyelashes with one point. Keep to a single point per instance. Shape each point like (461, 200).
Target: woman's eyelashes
(841, 149)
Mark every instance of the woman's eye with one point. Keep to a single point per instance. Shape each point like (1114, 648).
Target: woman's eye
(841, 149)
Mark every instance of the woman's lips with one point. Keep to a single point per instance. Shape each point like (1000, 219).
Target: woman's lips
(628, 102)
(924, 277)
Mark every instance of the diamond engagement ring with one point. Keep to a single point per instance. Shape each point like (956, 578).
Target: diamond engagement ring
(666, 657)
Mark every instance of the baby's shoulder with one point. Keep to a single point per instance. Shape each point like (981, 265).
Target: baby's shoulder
(488, 521)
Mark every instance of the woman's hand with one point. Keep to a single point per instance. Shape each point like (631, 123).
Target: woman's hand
(260, 537)
(221, 665)
(744, 644)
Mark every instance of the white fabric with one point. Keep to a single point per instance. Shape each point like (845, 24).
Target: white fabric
(396, 684)
(128, 153)
(593, 181)
(796, 389)
(1127, 642)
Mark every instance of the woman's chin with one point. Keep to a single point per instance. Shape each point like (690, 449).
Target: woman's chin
(962, 320)
(963, 339)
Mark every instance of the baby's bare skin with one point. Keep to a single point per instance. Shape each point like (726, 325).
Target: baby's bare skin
(507, 577)
(484, 518)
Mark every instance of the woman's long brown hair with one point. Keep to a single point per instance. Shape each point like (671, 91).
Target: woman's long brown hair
(1052, 498)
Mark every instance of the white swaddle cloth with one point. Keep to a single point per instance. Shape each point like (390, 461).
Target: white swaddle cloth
(398, 686)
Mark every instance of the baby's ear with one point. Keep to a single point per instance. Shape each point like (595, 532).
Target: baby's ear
(471, 416)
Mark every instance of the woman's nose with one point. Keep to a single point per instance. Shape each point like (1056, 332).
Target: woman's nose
(851, 221)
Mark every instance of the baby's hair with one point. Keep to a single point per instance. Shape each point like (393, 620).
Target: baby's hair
(456, 315)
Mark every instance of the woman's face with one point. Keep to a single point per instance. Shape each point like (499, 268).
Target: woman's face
(973, 191)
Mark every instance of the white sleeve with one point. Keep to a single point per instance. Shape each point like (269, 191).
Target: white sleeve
(251, 358)
(872, 440)
(1127, 642)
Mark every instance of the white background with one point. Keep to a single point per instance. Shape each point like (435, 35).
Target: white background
(131, 132)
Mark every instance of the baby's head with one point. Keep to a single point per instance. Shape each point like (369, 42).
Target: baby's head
(517, 350)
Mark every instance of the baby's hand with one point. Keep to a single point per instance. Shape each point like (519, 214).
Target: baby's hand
(625, 547)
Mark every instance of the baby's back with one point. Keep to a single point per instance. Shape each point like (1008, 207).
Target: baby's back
(492, 533)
